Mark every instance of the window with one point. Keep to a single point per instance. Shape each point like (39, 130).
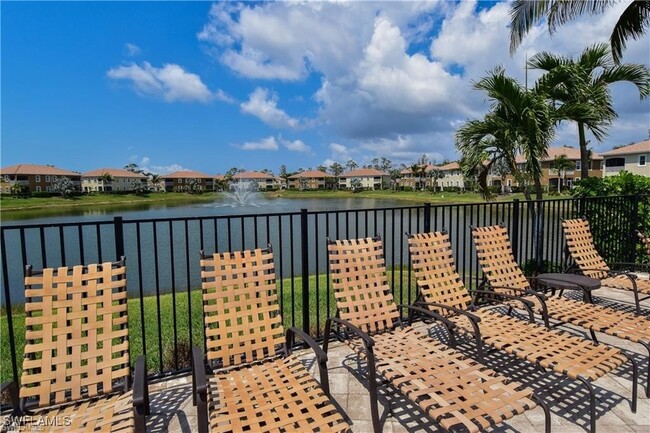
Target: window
(47, 178)
(642, 159)
(6, 178)
(38, 178)
(47, 188)
(578, 165)
(38, 188)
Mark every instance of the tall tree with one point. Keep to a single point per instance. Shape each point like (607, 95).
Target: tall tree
(351, 164)
(581, 88)
(133, 168)
(562, 164)
(632, 23)
(336, 169)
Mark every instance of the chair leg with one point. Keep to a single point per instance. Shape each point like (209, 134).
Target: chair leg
(372, 387)
(635, 379)
(592, 404)
(547, 413)
(647, 385)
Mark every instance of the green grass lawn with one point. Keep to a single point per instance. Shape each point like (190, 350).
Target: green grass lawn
(11, 204)
(414, 196)
(317, 297)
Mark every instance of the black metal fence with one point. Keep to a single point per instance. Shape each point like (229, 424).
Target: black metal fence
(165, 309)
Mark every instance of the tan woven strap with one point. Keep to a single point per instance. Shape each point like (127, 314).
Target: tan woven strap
(580, 245)
(276, 396)
(240, 307)
(595, 317)
(76, 333)
(360, 284)
(496, 259)
(110, 414)
(559, 351)
(453, 390)
(624, 283)
(435, 271)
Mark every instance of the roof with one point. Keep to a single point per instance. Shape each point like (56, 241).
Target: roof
(310, 174)
(44, 170)
(219, 176)
(449, 167)
(114, 172)
(408, 170)
(640, 147)
(364, 172)
(252, 175)
(185, 174)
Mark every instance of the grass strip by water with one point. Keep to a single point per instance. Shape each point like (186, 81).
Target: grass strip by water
(161, 356)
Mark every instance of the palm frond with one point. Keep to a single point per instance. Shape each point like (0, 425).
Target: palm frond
(563, 11)
(524, 14)
(633, 23)
(637, 74)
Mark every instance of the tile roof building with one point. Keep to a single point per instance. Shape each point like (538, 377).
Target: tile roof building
(633, 158)
(112, 180)
(36, 178)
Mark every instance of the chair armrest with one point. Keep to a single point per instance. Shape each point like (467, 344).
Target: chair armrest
(367, 339)
(140, 383)
(12, 389)
(290, 338)
(470, 316)
(528, 305)
(429, 313)
(540, 297)
(200, 386)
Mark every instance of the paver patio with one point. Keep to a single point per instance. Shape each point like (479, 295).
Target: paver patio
(172, 409)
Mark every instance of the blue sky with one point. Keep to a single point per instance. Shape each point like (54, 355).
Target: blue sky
(201, 86)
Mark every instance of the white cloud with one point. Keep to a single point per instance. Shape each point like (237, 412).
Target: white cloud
(132, 50)
(171, 82)
(268, 143)
(263, 104)
(396, 76)
(296, 146)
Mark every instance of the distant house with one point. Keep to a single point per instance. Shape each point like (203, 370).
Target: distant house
(313, 179)
(452, 176)
(264, 181)
(112, 180)
(416, 181)
(632, 158)
(181, 181)
(369, 178)
(36, 178)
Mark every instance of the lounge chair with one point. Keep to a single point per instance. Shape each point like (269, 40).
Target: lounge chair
(255, 383)
(501, 273)
(587, 261)
(76, 371)
(442, 290)
(453, 390)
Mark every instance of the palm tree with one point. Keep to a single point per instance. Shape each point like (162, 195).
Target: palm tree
(520, 121)
(155, 181)
(562, 164)
(524, 14)
(581, 88)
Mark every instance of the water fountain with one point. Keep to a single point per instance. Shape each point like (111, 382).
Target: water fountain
(242, 193)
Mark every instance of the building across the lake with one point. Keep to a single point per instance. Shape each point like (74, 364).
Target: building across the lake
(633, 158)
(312, 179)
(35, 178)
(187, 181)
(368, 178)
(112, 180)
(264, 181)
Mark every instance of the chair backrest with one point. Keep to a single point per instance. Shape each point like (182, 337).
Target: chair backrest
(580, 245)
(76, 333)
(645, 241)
(496, 259)
(241, 314)
(435, 271)
(360, 284)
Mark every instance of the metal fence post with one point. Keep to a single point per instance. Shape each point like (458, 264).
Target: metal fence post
(515, 228)
(635, 226)
(304, 242)
(118, 226)
(427, 217)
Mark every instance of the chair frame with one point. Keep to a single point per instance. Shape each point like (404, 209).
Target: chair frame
(202, 367)
(528, 305)
(141, 408)
(586, 309)
(573, 267)
(368, 345)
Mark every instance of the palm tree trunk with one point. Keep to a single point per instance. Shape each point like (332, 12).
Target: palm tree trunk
(584, 155)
